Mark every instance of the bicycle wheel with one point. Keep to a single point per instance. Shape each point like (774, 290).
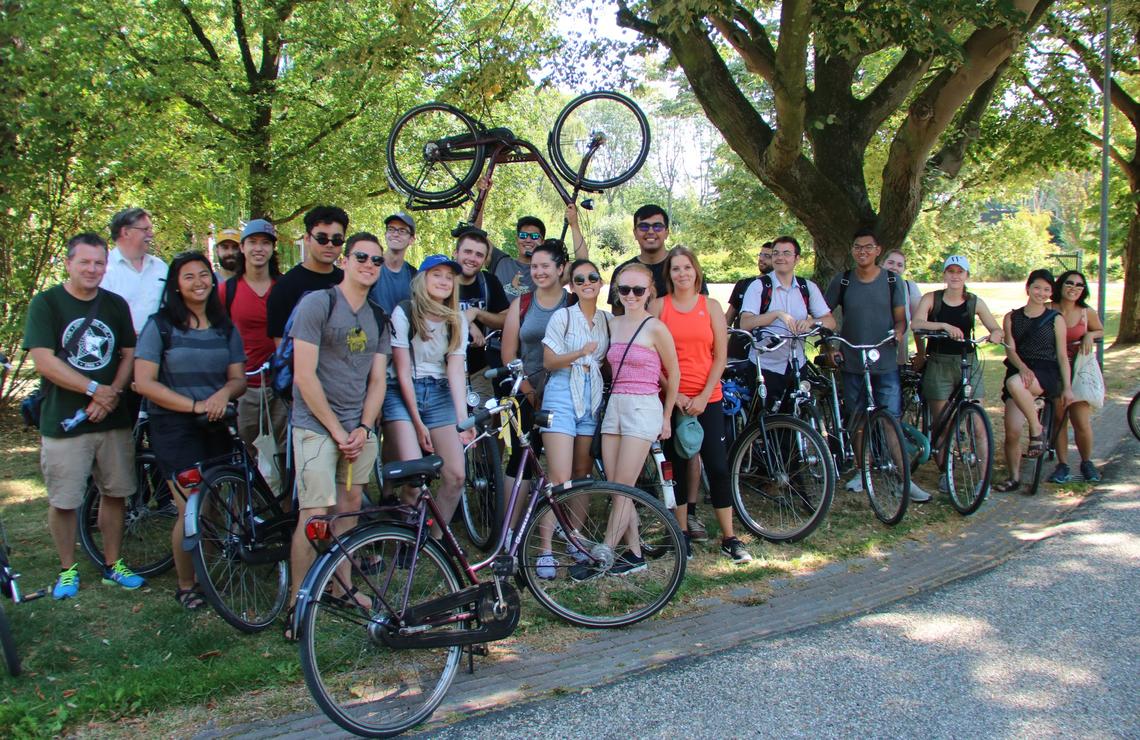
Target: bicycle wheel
(1134, 416)
(148, 518)
(624, 132)
(578, 583)
(8, 644)
(484, 501)
(782, 478)
(242, 556)
(886, 471)
(431, 155)
(1037, 464)
(970, 458)
(359, 683)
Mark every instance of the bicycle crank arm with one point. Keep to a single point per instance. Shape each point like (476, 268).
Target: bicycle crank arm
(490, 629)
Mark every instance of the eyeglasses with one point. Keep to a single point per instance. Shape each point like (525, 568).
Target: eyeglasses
(323, 239)
(530, 235)
(787, 255)
(363, 257)
(398, 231)
(656, 227)
(863, 247)
(593, 277)
(637, 290)
(144, 229)
(1071, 284)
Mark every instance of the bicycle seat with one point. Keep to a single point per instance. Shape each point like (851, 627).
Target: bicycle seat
(426, 468)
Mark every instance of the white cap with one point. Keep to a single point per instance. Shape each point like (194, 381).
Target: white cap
(958, 260)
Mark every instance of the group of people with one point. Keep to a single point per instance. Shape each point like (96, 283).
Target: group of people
(384, 350)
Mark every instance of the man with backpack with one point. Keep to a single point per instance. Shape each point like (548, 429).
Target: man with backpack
(736, 299)
(871, 299)
(325, 227)
(483, 302)
(783, 302)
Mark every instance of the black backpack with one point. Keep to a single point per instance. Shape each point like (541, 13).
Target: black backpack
(766, 287)
(892, 282)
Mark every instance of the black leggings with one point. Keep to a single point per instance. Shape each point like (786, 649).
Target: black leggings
(713, 455)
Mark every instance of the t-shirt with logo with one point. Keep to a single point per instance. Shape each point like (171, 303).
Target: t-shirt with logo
(485, 293)
(249, 312)
(53, 316)
(515, 277)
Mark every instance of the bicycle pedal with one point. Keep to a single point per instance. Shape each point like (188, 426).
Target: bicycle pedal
(504, 566)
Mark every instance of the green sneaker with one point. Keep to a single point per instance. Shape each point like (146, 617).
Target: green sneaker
(67, 585)
(119, 574)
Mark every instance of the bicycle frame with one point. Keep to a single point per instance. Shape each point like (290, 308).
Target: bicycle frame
(959, 395)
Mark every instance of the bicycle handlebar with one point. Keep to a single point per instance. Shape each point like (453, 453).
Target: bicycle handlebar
(943, 334)
(886, 340)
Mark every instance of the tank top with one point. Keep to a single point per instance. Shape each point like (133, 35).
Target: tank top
(532, 330)
(1033, 345)
(954, 316)
(1074, 333)
(692, 333)
(640, 373)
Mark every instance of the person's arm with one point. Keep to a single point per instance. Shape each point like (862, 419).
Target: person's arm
(556, 355)
(457, 380)
(62, 375)
(1060, 332)
(483, 184)
(1095, 331)
(920, 319)
(667, 350)
(148, 386)
(374, 395)
(900, 322)
(305, 382)
(697, 404)
(488, 319)
(581, 252)
(982, 311)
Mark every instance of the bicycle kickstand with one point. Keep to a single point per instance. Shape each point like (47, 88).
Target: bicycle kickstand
(472, 650)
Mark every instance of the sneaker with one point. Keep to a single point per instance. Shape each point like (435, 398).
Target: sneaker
(67, 585)
(571, 549)
(544, 566)
(628, 563)
(120, 574)
(602, 560)
(918, 495)
(943, 484)
(1061, 474)
(1089, 471)
(733, 548)
(855, 485)
(697, 530)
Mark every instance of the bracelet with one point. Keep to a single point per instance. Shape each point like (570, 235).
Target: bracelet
(193, 407)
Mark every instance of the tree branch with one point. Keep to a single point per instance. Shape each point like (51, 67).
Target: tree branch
(952, 156)
(1120, 98)
(790, 85)
(243, 45)
(893, 89)
(323, 134)
(626, 18)
(758, 55)
(1091, 136)
(198, 32)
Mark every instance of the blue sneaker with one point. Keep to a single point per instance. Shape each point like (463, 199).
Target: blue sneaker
(120, 574)
(1061, 474)
(1089, 471)
(67, 585)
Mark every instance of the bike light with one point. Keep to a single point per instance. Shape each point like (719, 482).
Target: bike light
(667, 470)
(188, 479)
(544, 418)
(873, 355)
(473, 399)
(316, 530)
(805, 386)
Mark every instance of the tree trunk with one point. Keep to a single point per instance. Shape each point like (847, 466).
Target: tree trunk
(1130, 311)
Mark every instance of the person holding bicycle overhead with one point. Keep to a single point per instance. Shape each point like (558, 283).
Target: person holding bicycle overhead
(189, 363)
(1036, 365)
(1082, 328)
(700, 335)
(640, 348)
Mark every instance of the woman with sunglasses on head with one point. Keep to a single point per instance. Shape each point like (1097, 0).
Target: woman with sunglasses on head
(427, 383)
(641, 347)
(1082, 328)
(700, 333)
(189, 363)
(574, 347)
(1036, 365)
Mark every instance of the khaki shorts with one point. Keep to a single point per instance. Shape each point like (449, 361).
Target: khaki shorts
(67, 462)
(942, 373)
(320, 468)
(249, 415)
(630, 415)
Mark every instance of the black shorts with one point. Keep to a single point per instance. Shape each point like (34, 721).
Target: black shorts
(179, 442)
(1047, 373)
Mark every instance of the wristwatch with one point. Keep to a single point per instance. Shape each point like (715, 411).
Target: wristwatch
(369, 431)
(92, 387)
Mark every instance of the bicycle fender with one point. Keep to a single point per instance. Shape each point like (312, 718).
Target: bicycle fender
(190, 534)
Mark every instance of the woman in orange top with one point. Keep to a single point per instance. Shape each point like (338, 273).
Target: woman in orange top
(700, 333)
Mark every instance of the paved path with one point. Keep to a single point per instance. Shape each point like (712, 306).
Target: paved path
(1003, 527)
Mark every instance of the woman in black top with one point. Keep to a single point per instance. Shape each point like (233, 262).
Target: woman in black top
(1036, 365)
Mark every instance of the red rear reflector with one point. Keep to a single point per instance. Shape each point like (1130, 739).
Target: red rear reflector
(189, 478)
(667, 470)
(316, 529)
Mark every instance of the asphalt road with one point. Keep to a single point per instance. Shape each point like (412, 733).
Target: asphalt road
(1046, 644)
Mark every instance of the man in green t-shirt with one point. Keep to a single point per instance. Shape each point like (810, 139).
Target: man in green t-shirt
(86, 431)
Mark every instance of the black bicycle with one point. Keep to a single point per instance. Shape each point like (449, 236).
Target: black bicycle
(10, 588)
(1134, 416)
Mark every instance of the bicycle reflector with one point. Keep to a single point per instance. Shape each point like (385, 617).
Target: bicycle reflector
(316, 530)
(667, 470)
(189, 479)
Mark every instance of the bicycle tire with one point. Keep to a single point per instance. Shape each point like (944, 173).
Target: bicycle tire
(8, 644)
(969, 465)
(149, 517)
(342, 657)
(582, 593)
(619, 158)
(484, 498)
(1134, 416)
(246, 593)
(788, 504)
(426, 159)
(1037, 464)
(886, 471)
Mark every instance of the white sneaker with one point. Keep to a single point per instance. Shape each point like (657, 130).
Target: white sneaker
(918, 495)
(855, 485)
(544, 566)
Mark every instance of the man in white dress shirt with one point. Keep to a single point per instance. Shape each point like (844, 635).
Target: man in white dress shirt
(132, 272)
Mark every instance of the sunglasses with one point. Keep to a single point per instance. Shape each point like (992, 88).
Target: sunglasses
(363, 257)
(645, 227)
(593, 277)
(1071, 284)
(530, 235)
(323, 239)
(637, 290)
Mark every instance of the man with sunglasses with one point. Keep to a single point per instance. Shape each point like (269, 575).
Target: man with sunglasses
(325, 227)
(395, 282)
(651, 230)
(483, 302)
(132, 271)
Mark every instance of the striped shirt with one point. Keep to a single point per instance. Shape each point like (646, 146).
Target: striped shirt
(569, 331)
(196, 364)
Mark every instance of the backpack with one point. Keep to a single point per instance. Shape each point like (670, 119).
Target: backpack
(231, 291)
(527, 298)
(281, 361)
(971, 307)
(892, 282)
(766, 292)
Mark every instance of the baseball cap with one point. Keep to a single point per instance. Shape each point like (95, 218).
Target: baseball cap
(956, 260)
(229, 235)
(436, 260)
(259, 226)
(688, 435)
(405, 218)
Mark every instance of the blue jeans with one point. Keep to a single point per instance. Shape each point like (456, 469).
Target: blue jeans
(886, 388)
(433, 397)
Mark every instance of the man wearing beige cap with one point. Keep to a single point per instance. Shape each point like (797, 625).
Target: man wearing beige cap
(226, 251)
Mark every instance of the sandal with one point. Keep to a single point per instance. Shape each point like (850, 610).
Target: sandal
(348, 600)
(1036, 446)
(287, 632)
(1009, 486)
(191, 599)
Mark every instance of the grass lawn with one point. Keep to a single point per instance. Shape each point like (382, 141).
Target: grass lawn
(112, 662)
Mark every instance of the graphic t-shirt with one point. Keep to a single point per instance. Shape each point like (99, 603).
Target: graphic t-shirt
(53, 316)
(249, 313)
(485, 293)
(515, 277)
(287, 291)
(196, 362)
(393, 287)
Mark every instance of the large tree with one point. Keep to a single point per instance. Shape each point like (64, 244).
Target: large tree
(842, 77)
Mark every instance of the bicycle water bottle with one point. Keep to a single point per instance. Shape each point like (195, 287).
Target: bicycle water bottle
(70, 424)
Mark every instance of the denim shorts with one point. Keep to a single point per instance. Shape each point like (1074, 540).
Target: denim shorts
(886, 388)
(558, 400)
(433, 398)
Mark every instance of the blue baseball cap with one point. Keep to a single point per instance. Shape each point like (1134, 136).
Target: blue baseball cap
(259, 226)
(436, 260)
